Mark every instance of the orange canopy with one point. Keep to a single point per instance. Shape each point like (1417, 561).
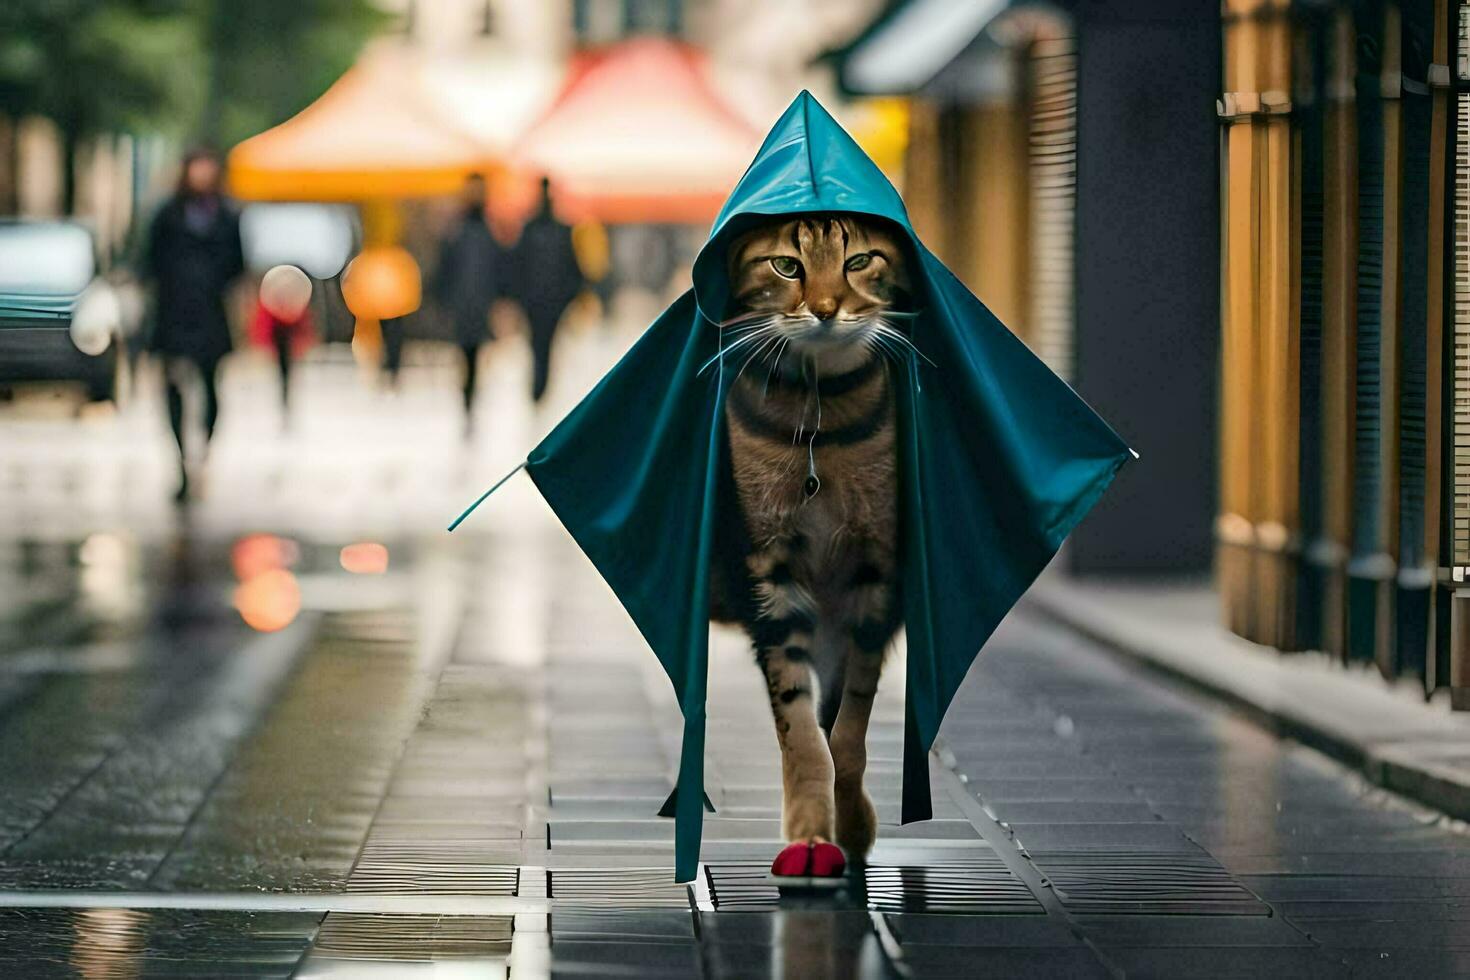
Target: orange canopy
(369, 135)
(638, 134)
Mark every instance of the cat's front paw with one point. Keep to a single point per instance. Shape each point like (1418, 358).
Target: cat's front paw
(810, 859)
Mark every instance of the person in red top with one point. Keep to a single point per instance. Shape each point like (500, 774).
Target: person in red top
(282, 322)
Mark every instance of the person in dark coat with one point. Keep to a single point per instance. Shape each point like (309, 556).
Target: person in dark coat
(193, 255)
(470, 278)
(547, 279)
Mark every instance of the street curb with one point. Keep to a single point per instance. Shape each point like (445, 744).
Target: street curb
(1413, 761)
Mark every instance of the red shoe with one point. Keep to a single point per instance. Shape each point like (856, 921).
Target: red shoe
(809, 866)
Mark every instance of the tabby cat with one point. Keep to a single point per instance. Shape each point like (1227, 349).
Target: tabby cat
(807, 559)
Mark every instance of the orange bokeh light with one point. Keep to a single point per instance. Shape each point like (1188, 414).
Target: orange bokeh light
(256, 553)
(382, 282)
(269, 601)
(365, 558)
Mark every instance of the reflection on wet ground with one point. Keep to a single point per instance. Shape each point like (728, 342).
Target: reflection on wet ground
(411, 753)
(425, 774)
(122, 944)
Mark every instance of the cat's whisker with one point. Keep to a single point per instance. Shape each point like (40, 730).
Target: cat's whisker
(885, 349)
(775, 360)
(755, 353)
(749, 338)
(743, 318)
(874, 345)
(892, 333)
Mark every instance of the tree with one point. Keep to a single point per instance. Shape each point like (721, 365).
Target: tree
(95, 66)
(217, 70)
(271, 58)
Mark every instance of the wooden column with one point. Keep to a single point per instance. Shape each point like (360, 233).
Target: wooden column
(1259, 505)
(1339, 328)
(989, 245)
(1434, 340)
(1454, 659)
(1373, 563)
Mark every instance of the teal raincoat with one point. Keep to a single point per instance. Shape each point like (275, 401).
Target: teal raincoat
(999, 460)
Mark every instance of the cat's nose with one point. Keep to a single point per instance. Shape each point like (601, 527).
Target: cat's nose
(825, 309)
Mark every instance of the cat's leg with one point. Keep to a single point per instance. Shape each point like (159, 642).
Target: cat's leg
(871, 625)
(783, 633)
(856, 822)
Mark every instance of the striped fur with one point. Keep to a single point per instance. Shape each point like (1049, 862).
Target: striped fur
(808, 563)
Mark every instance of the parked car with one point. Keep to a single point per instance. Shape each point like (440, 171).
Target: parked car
(60, 321)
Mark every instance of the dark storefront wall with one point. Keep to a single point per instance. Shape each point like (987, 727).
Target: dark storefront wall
(1148, 286)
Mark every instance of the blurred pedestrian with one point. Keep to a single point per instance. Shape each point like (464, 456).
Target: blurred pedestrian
(546, 281)
(470, 277)
(391, 329)
(282, 323)
(193, 255)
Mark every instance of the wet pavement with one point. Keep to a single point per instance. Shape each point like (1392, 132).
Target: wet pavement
(230, 748)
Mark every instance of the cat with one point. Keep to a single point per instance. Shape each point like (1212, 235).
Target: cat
(807, 557)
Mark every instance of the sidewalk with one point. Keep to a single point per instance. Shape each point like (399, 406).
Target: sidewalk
(1386, 732)
(457, 768)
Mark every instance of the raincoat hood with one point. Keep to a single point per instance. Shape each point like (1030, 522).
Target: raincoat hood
(807, 163)
(998, 461)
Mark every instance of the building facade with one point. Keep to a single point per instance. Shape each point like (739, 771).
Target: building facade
(1045, 132)
(1345, 506)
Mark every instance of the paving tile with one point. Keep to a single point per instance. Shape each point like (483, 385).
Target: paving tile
(812, 953)
(616, 888)
(1152, 835)
(1071, 811)
(615, 787)
(408, 937)
(1404, 864)
(1136, 882)
(1292, 838)
(916, 929)
(978, 885)
(967, 962)
(1043, 789)
(1283, 886)
(1232, 963)
(608, 958)
(622, 926)
(661, 829)
(611, 808)
(1396, 964)
(844, 927)
(419, 878)
(1373, 909)
(1363, 933)
(1189, 930)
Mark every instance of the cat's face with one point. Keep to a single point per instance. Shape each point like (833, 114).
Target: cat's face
(825, 285)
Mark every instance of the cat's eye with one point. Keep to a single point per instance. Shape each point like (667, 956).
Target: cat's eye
(859, 262)
(786, 267)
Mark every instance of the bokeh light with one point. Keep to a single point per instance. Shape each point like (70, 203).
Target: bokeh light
(257, 553)
(364, 558)
(285, 292)
(269, 601)
(268, 597)
(381, 283)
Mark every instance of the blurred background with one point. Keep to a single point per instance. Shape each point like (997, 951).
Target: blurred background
(1239, 231)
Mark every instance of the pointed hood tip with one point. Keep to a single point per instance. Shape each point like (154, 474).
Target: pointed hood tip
(807, 162)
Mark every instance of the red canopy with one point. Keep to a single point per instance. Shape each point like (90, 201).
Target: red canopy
(638, 134)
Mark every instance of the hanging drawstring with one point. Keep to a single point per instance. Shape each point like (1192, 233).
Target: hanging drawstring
(498, 483)
(813, 482)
